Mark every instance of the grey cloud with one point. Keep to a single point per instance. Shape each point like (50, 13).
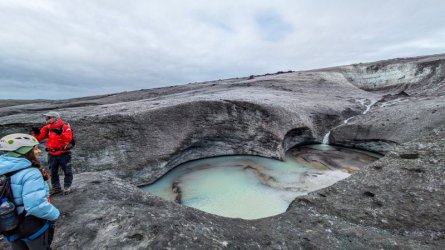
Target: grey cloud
(272, 27)
(78, 48)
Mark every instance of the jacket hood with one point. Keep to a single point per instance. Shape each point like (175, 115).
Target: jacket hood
(9, 164)
(59, 122)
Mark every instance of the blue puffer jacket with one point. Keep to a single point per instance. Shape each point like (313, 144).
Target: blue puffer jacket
(29, 189)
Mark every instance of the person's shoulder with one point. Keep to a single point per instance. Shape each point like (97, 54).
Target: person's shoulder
(30, 173)
(66, 127)
(31, 170)
(10, 164)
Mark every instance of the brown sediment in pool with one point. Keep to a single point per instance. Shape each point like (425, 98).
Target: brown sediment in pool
(252, 187)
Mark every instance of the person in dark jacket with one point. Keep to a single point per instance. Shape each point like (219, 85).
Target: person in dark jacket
(58, 145)
(30, 193)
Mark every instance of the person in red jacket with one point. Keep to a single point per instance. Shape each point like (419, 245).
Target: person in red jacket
(58, 146)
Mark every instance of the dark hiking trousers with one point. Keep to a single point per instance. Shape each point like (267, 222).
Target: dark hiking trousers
(63, 161)
(43, 242)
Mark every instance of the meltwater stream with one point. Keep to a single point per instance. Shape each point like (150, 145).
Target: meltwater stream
(368, 103)
(252, 187)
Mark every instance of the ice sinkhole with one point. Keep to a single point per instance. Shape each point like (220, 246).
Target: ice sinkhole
(252, 187)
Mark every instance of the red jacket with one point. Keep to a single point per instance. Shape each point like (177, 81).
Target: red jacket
(56, 143)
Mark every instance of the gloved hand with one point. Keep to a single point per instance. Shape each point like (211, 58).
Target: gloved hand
(58, 131)
(36, 130)
(45, 174)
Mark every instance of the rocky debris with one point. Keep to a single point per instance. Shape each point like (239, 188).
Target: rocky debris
(133, 138)
(390, 97)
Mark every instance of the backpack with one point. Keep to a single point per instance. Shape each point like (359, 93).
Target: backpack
(13, 225)
(73, 139)
(72, 143)
(9, 219)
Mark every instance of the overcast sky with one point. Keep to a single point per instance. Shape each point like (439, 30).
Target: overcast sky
(66, 48)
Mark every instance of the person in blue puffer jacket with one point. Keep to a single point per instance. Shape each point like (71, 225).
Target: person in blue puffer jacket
(30, 192)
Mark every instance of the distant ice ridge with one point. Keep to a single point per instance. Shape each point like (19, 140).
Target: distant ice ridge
(386, 76)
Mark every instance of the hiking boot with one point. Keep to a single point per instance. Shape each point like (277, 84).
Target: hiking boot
(55, 190)
(66, 190)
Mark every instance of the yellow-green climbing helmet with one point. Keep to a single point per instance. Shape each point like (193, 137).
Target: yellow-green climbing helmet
(14, 142)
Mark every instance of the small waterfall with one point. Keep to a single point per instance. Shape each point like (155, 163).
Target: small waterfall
(326, 138)
(368, 108)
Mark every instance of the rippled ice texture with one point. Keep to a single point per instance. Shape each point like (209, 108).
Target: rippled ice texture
(247, 187)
